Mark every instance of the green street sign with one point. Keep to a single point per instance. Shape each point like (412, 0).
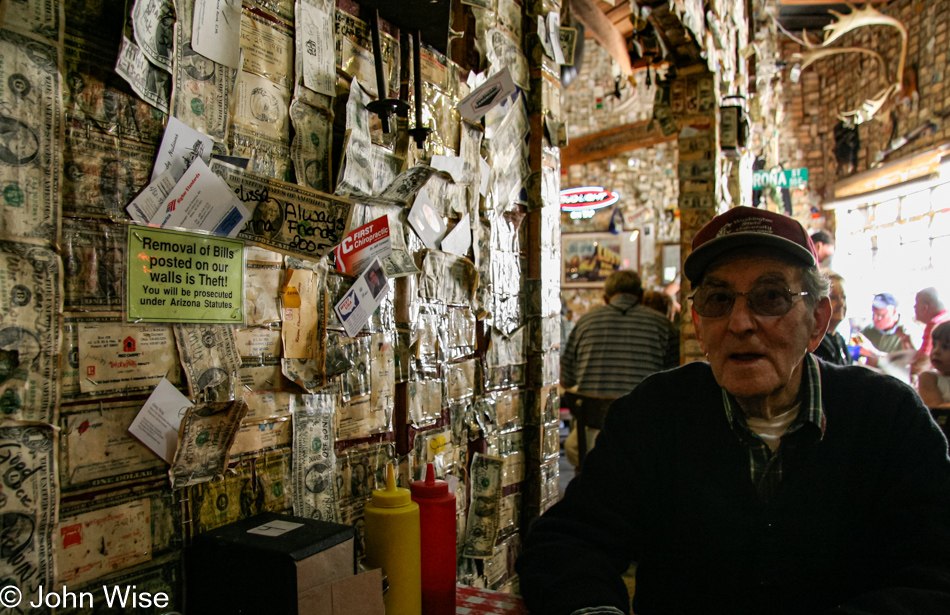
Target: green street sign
(789, 178)
(184, 277)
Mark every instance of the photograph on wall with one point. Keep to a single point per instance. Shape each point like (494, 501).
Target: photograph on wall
(588, 259)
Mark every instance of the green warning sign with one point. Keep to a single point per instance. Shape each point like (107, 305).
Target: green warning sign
(184, 277)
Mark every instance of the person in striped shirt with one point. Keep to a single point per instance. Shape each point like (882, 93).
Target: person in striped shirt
(615, 346)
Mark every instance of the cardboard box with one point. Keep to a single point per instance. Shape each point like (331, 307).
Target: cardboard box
(357, 595)
(269, 563)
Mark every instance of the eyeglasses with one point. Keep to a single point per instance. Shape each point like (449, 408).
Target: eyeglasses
(766, 300)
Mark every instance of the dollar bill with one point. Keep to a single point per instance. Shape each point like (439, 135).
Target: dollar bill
(260, 125)
(114, 356)
(459, 381)
(383, 372)
(361, 470)
(36, 17)
(29, 507)
(97, 450)
(147, 80)
(354, 54)
(568, 40)
(283, 10)
(93, 253)
(356, 174)
(502, 52)
(311, 145)
(205, 436)
(485, 507)
(261, 304)
(314, 460)
(210, 359)
(160, 575)
(29, 331)
(285, 217)
(268, 47)
(449, 278)
(262, 343)
(31, 133)
(202, 94)
(154, 24)
(259, 436)
(94, 543)
(268, 404)
(307, 373)
(255, 486)
(425, 402)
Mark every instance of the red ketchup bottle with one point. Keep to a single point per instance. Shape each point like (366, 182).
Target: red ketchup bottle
(437, 528)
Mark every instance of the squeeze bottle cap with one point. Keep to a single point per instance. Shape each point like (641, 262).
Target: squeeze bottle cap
(392, 496)
(430, 487)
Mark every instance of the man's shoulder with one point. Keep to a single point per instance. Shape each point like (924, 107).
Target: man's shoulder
(856, 386)
(692, 379)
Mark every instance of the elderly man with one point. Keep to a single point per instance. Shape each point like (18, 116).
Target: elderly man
(928, 309)
(762, 481)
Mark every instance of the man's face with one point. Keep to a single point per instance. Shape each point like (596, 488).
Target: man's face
(755, 356)
(825, 250)
(373, 278)
(922, 311)
(839, 303)
(884, 318)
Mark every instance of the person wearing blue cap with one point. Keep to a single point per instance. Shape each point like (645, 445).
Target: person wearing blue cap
(886, 333)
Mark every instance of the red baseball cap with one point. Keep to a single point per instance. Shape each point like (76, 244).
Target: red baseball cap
(743, 227)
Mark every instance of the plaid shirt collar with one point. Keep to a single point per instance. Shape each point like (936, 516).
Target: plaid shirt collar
(765, 467)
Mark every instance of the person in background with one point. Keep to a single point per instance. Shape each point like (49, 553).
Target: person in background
(825, 247)
(615, 346)
(930, 311)
(934, 385)
(661, 302)
(833, 348)
(763, 481)
(567, 324)
(885, 334)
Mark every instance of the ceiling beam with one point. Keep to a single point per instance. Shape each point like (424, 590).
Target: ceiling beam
(603, 32)
(612, 142)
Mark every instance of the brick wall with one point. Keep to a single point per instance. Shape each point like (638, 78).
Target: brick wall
(844, 82)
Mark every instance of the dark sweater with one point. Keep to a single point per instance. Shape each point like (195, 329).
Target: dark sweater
(861, 520)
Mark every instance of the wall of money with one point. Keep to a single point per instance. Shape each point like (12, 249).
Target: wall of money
(284, 411)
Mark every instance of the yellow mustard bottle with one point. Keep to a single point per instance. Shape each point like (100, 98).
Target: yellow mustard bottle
(392, 543)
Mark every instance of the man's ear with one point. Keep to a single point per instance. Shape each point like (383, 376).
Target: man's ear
(699, 330)
(822, 315)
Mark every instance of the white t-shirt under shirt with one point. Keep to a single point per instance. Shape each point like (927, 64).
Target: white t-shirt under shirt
(771, 430)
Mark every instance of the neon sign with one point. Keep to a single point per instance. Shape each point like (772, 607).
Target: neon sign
(587, 199)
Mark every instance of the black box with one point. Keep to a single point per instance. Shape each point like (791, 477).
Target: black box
(259, 566)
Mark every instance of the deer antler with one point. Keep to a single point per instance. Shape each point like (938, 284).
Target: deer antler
(868, 108)
(807, 59)
(868, 16)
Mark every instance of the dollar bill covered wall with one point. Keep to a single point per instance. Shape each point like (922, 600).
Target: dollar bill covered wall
(226, 289)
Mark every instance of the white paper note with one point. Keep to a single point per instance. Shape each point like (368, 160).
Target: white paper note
(459, 239)
(201, 201)
(144, 207)
(426, 221)
(486, 173)
(181, 145)
(554, 33)
(156, 424)
(216, 31)
(359, 303)
(315, 36)
(488, 95)
(453, 165)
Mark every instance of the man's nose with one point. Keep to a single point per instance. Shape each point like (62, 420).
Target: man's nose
(741, 318)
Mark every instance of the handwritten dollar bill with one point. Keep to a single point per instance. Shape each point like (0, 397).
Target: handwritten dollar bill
(315, 488)
(29, 331)
(210, 358)
(285, 217)
(485, 508)
(260, 125)
(31, 133)
(154, 22)
(205, 436)
(29, 509)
